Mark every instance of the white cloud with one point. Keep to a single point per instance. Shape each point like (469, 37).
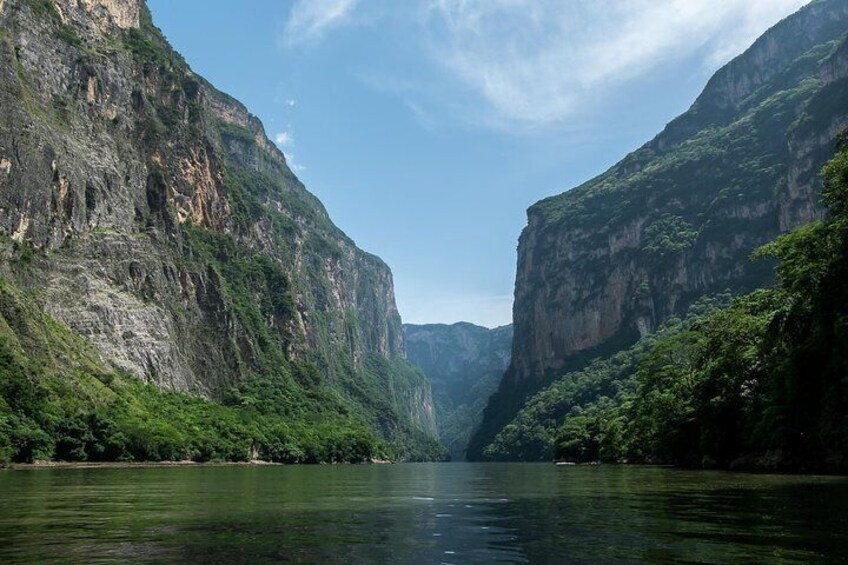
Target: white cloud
(310, 20)
(424, 118)
(538, 61)
(290, 102)
(293, 164)
(284, 139)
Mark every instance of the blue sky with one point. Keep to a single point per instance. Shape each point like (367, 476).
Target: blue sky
(427, 127)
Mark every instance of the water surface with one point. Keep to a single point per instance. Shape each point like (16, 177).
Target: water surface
(425, 513)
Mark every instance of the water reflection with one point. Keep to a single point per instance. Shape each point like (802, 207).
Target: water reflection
(449, 513)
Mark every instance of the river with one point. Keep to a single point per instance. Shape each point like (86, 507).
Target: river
(419, 513)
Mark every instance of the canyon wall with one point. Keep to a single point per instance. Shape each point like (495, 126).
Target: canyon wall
(151, 214)
(609, 261)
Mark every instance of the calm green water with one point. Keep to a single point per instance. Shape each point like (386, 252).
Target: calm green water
(434, 513)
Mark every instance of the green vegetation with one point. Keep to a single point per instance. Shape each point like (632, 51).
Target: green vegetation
(58, 401)
(235, 132)
(46, 9)
(257, 286)
(669, 236)
(382, 387)
(69, 36)
(254, 286)
(378, 390)
(150, 48)
(250, 190)
(43, 9)
(458, 420)
(758, 383)
(324, 383)
(579, 412)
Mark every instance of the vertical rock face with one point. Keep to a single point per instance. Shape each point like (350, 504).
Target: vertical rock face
(464, 363)
(125, 14)
(610, 260)
(679, 217)
(160, 223)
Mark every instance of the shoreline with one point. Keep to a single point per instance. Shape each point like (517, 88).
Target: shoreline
(745, 470)
(131, 464)
(154, 464)
(68, 465)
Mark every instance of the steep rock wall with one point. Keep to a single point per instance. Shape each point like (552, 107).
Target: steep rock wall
(153, 216)
(679, 217)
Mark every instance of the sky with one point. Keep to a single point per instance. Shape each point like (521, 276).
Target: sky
(428, 127)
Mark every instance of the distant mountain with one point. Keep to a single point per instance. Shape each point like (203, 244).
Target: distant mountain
(608, 262)
(464, 363)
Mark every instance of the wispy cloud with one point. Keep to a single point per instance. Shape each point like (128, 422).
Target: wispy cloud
(310, 20)
(530, 63)
(424, 118)
(288, 102)
(539, 61)
(284, 139)
(294, 164)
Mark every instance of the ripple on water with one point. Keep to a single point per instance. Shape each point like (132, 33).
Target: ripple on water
(418, 514)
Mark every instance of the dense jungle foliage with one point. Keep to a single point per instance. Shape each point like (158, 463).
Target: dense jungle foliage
(59, 401)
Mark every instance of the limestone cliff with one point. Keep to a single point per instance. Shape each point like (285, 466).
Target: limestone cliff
(150, 213)
(609, 261)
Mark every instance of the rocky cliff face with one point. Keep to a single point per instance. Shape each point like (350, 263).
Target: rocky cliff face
(464, 363)
(678, 218)
(152, 216)
(607, 262)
